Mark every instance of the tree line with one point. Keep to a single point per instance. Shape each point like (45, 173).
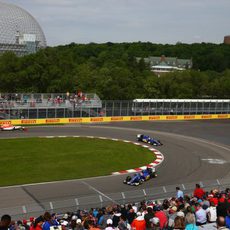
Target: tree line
(112, 71)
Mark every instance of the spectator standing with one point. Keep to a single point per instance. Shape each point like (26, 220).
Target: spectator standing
(198, 192)
(5, 222)
(179, 193)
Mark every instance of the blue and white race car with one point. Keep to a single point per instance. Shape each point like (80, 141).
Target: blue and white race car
(148, 139)
(139, 177)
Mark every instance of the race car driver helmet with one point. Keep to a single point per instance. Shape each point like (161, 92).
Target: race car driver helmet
(138, 135)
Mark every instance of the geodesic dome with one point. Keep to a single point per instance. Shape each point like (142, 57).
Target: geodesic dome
(15, 21)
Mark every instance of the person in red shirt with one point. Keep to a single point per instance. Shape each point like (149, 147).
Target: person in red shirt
(37, 223)
(198, 192)
(213, 199)
(162, 217)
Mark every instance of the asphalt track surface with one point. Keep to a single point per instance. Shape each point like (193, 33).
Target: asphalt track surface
(193, 151)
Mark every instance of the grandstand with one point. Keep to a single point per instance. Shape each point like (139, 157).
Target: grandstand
(24, 105)
(61, 105)
(180, 106)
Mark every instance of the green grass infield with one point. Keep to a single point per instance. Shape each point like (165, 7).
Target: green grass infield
(34, 160)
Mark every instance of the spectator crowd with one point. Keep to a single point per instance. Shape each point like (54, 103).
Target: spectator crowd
(201, 210)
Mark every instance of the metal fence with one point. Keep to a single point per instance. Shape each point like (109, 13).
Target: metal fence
(33, 106)
(98, 200)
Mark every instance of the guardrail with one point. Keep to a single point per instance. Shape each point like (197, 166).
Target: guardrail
(97, 201)
(79, 120)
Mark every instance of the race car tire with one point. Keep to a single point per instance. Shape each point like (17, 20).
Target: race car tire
(128, 179)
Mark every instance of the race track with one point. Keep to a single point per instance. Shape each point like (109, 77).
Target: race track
(193, 151)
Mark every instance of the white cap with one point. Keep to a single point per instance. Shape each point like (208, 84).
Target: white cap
(74, 217)
(180, 214)
(139, 214)
(78, 221)
(109, 221)
(65, 216)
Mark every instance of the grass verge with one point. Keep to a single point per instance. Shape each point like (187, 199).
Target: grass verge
(33, 160)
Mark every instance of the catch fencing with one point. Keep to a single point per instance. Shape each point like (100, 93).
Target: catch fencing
(156, 194)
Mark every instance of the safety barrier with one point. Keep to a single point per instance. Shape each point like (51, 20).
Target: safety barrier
(113, 119)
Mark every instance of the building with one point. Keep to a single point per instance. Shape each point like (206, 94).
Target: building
(161, 65)
(19, 31)
(227, 40)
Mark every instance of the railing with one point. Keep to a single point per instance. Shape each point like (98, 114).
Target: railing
(19, 106)
(63, 106)
(97, 201)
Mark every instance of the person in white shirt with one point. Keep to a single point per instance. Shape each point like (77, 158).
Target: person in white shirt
(179, 193)
(201, 215)
(211, 211)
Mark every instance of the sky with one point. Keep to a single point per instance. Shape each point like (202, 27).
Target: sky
(156, 21)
